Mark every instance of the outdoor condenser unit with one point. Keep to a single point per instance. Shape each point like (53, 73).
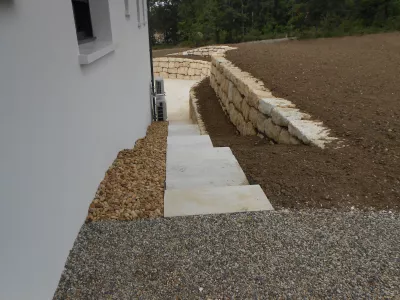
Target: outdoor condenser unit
(161, 104)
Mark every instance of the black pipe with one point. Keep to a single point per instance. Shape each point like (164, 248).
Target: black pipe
(153, 101)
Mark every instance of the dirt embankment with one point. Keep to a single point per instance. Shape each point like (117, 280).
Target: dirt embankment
(305, 176)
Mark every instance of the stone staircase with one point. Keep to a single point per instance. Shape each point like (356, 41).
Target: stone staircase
(202, 179)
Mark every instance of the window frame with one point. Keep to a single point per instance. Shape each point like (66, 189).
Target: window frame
(101, 44)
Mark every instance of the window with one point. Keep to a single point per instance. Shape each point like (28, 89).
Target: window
(93, 29)
(83, 21)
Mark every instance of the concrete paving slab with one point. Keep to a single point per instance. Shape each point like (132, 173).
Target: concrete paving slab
(181, 122)
(215, 200)
(174, 130)
(177, 97)
(191, 141)
(191, 168)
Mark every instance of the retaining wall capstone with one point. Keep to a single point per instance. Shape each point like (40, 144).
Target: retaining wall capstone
(253, 109)
(206, 51)
(181, 68)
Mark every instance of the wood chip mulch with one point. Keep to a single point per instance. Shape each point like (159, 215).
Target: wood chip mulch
(133, 186)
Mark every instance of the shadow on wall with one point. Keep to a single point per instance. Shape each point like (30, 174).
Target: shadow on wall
(7, 4)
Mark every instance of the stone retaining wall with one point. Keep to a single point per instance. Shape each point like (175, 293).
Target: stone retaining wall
(181, 68)
(206, 51)
(254, 110)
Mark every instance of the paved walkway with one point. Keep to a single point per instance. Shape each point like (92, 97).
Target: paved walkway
(202, 179)
(259, 255)
(177, 97)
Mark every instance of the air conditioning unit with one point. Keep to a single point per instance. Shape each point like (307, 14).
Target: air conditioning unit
(159, 81)
(161, 104)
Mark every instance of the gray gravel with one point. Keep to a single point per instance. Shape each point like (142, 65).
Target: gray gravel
(315, 254)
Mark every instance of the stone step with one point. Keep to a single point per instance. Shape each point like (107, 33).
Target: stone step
(183, 129)
(208, 167)
(215, 200)
(189, 141)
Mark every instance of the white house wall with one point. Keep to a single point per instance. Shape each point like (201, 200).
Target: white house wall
(61, 126)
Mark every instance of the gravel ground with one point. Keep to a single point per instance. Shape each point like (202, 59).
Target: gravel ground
(281, 254)
(133, 186)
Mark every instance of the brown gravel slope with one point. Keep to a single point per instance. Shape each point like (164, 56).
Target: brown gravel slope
(304, 176)
(133, 186)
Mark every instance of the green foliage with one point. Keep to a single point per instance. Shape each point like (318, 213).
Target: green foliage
(201, 22)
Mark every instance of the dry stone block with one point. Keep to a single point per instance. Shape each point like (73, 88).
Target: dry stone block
(254, 96)
(260, 121)
(173, 71)
(191, 72)
(172, 76)
(237, 97)
(294, 140)
(212, 83)
(171, 65)
(271, 130)
(163, 65)
(240, 122)
(245, 110)
(232, 113)
(253, 116)
(213, 69)
(180, 76)
(197, 72)
(310, 132)
(164, 74)
(224, 100)
(284, 137)
(283, 115)
(241, 86)
(182, 71)
(225, 85)
(266, 105)
(249, 129)
(230, 90)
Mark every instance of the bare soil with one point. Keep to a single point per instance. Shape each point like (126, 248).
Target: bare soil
(362, 175)
(133, 187)
(194, 57)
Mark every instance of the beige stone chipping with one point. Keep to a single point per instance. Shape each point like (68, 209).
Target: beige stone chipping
(133, 186)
